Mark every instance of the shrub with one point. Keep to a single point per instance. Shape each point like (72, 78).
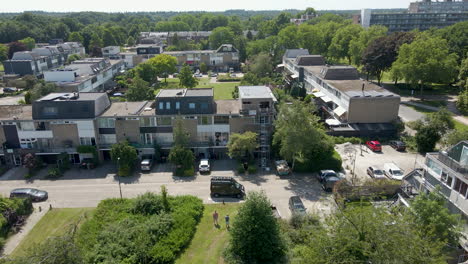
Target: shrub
(240, 169)
(148, 204)
(188, 172)
(326, 162)
(54, 173)
(342, 140)
(252, 169)
(3, 170)
(28, 176)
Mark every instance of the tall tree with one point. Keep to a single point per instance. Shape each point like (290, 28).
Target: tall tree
(164, 65)
(426, 60)
(3, 52)
(15, 47)
(124, 157)
(29, 42)
(186, 78)
(340, 45)
(95, 41)
(179, 155)
(108, 38)
(242, 146)
(147, 72)
(75, 37)
(255, 234)
(261, 65)
(139, 90)
(359, 44)
(221, 35)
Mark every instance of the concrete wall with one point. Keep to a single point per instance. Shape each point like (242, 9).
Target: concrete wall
(2, 136)
(64, 133)
(241, 125)
(127, 130)
(375, 110)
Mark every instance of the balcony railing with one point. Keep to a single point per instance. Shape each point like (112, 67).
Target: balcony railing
(451, 163)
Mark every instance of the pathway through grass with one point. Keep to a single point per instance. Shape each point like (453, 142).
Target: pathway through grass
(209, 242)
(54, 223)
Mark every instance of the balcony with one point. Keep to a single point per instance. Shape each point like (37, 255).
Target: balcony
(451, 163)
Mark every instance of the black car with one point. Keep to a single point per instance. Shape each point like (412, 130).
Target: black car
(325, 174)
(398, 145)
(10, 89)
(34, 194)
(226, 186)
(296, 206)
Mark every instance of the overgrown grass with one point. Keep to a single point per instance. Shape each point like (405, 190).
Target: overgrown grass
(209, 241)
(222, 91)
(54, 223)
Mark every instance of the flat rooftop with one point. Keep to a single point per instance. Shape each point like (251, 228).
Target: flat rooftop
(197, 92)
(72, 97)
(353, 88)
(126, 109)
(255, 92)
(227, 107)
(15, 112)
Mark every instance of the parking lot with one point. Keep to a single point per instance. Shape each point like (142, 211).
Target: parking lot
(404, 160)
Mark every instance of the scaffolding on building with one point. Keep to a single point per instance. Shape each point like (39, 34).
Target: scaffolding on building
(265, 121)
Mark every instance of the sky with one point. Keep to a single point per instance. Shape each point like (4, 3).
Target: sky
(194, 5)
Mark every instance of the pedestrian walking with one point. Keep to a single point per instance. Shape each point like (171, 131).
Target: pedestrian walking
(227, 221)
(215, 218)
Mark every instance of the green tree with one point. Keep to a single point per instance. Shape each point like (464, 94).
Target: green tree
(261, 65)
(75, 37)
(432, 128)
(179, 155)
(289, 37)
(359, 44)
(426, 60)
(139, 90)
(242, 146)
(462, 102)
(130, 41)
(3, 52)
(30, 80)
(255, 234)
(72, 58)
(454, 136)
(462, 75)
(108, 38)
(147, 71)
(164, 65)
(186, 78)
(29, 42)
(124, 157)
(181, 136)
(40, 90)
(340, 45)
(95, 42)
(221, 35)
(203, 67)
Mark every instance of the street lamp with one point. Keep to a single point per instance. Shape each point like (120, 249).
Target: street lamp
(118, 176)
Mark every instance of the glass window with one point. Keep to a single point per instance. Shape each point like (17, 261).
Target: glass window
(106, 122)
(164, 121)
(204, 120)
(161, 105)
(49, 111)
(221, 119)
(108, 139)
(147, 122)
(177, 105)
(168, 105)
(26, 126)
(88, 141)
(204, 106)
(191, 105)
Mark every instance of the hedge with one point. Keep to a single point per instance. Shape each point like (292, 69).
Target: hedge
(331, 162)
(18, 207)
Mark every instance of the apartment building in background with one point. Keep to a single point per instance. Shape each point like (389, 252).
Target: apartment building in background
(59, 122)
(348, 104)
(421, 15)
(41, 59)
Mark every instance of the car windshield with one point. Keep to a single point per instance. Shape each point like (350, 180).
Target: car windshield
(397, 173)
(238, 186)
(378, 172)
(204, 165)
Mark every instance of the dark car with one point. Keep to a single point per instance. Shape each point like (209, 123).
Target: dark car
(398, 145)
(329, 182)
(374, 145)
(296, 206)
(10, 89)
(226, 186)
(325, 174)
(34, 194)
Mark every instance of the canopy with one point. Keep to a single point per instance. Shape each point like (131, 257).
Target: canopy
(339, 111)
(318, 94)
(332, 122)
(326, 99)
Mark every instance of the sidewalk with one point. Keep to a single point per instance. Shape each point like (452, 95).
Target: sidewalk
(16, 239)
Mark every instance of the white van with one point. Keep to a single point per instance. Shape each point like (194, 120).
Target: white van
(393, 172)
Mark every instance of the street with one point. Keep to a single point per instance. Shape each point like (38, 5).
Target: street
(86, 188)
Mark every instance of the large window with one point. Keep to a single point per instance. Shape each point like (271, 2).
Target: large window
(26, 126)
(177, 105)
(168, 105)
(161, 105)
(88, 141)
(107, 139)
(49, 111)
(460, 187)
(106, 122)
(205, 120)
(191, 105)
(147, 121)
(148, 138)
(221, 119)
(164, 121)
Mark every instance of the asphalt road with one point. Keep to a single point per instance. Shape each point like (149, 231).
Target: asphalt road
(83, 188)
(408, 114)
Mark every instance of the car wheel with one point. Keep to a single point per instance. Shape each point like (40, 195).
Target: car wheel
(216, 195)
(239, 196)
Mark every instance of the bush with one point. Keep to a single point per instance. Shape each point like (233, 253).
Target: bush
(54, 173)
(252, 169)
(3, 170)
(148, 204)
(241, 169)
(189, 172)
(342, 140)
(28, 176)
(225, 78)
(326, 162)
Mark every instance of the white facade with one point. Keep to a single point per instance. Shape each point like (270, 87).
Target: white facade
(365, 17)
(60, 76)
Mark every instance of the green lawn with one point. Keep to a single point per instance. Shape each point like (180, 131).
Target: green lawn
(222, 90)
(1, 68)
(209, 242)
(55, 222)
(433, 103)
(458, 125)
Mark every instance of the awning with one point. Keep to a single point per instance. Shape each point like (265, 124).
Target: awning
(280, 66)
(326, 99)
(318, 94)
(294, 76)
(339, 111)
(332, 122)
(315, 90)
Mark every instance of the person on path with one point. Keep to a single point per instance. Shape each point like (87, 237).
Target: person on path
(215, 218)
(227, 221)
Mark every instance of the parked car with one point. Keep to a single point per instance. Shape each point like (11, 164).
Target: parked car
(233, 75)
(10, 89)
(325, 174)
(146, 164)
(87, 163)
(296, 206)
(374, 145)
(398, 145)
(213, 74)
(118, 94)
(393, 172)
(198, 75)
(226, 186)
(282, 167)
(375, 172)
(329, 182)
(204, 166)
(34, 194)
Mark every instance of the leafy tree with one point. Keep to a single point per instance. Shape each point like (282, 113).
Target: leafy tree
(359, 44)
(3, 52)
(462, 102)
(432, 128)
(15, 47)
(95, 41)
(340, 45)
(186, 78)
(124, 156)
(29, 42)
(164, 64)
(463, 74)
(381, 52)
(131, 41)
(31, 162)
(108, 38)
(432, 217)
(426, 60)
(221, 35)
(289, 37)
(181, 136)
(454, 136)
(30, 80)
(75, 37)
(139, 90)
(40, 90)
(203, 67)
(250, 78)
(255, 234)
(457, 38)
(261, 65)
(242, 146)
(147, 71)
(72, 58)
(299, 136)
(180, 155)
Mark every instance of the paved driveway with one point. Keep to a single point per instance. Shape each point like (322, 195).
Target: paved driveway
(85, 188)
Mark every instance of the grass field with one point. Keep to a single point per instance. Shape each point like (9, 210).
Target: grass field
(433, 103)
(55, 222)
(222, 90)
(1, 68)
(209, 242)
(458, 125)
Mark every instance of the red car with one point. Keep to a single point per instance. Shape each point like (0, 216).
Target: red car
(374, 145)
